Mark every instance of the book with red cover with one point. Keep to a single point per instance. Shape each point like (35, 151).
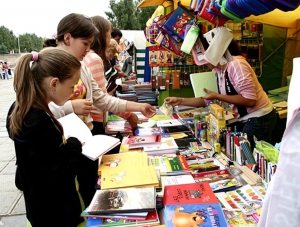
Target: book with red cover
(212, 176)
(192, 204)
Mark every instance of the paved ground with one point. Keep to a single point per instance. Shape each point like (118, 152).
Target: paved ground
(12, 207)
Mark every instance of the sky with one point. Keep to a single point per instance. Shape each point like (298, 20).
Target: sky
(42, 16)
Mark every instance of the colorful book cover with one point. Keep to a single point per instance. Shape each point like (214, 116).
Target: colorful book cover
(169, 164)
(166, 143)
(123, 161)
(203, 165)
(212, 176)
(141, 141)
(161, 130)
(203, 214)
(141, 176)
(225, 201)
(123, 200)
(225, 185)
(238, 219)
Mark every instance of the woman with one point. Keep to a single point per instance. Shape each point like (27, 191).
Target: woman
(94, 61)
(75, 34)
(46, 162)
(239, 86)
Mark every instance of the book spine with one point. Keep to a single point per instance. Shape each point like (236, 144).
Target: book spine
(175, 165)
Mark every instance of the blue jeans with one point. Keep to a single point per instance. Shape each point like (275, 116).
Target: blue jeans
(261, 127)
(6, 74)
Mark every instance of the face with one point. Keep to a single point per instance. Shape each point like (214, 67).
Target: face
(61, 92)
(118, 39)
(78, 47)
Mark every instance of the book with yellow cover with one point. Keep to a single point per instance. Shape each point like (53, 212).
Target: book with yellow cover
(123, 161)
(134, 177)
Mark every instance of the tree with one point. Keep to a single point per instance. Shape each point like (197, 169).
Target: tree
(126, 16)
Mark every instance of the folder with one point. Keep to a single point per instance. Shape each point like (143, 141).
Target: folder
(206, 80)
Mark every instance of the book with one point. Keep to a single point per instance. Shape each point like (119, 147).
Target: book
(239, 219)
(115, 126)
(203, 80)
(174, 180)
(123, 161)
(212, 176)
(192, 204)
(168, 123)
(93, 146)
(161, 130)
(167, 144)
(142, 176)
(141, 141)
(169, 164)
(203, 165)
(151, 219)
(125, 200)
(225, 185)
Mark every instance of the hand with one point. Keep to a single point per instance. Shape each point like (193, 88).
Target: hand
(82, 106)
(173, 101)
(121, 74)
(133, 121)
(124, 87)
(112, 92)
(210, 94)
(147, 110)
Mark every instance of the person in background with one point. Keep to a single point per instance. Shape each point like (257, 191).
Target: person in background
(111, 74)
(127, 67)
(116, 34)
(46, 162)
(94, 61)
(239, 86)
(75, 34)
(2, 75)
(5, 68)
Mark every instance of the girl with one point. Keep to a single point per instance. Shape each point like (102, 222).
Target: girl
(75, 34)
(46, 162)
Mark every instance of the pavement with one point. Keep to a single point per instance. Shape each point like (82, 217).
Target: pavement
(12, 206)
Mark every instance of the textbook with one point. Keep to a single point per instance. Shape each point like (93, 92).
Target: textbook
(151, 219)
(140, 177)
(124, 200)
(93, 146)
(193, 204)
(123, 161)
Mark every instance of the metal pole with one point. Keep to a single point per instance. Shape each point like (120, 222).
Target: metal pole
(19, 44)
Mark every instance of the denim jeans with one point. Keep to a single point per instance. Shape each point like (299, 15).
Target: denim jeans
(260, 127)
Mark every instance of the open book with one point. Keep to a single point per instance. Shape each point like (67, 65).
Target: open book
(93, 146)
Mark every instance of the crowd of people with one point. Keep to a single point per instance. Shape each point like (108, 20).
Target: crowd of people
(5, 71)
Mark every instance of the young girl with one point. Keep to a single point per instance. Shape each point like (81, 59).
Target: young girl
(46, 162)
(75, 34)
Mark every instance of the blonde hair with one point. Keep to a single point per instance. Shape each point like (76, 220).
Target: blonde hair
(112, 47)
(30, 72)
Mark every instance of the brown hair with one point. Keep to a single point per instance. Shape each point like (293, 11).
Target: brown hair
(28, 82)
(99, 44)
(78, 25)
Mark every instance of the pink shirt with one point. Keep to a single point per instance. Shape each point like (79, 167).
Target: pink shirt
(245, 82)
(94, 62)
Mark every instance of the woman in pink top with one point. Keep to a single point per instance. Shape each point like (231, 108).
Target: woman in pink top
(238, 85)
(94, 61)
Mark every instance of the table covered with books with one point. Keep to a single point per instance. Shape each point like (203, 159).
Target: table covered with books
(168, 173)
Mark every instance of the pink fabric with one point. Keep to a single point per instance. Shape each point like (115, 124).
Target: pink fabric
(96, 66)
(281, 206)
(245, 82)
(35, 56)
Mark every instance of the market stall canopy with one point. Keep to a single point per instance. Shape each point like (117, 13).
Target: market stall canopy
(276, 17)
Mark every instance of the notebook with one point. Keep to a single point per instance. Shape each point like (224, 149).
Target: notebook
(203, 80)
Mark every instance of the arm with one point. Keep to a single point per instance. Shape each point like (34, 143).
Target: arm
(194, 102)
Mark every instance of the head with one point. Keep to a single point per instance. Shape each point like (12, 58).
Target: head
(40, 78)
(101, 40)
(116, 34)
(112, 49)
(75, 33)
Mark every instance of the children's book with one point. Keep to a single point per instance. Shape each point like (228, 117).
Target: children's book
(169, 164)
(225, 185)
(174, 180)
(140, 177)
(123, 161)
(152, 219)
(212, 176)
(161, 130)
(93, 146)
(239, 219)
(168, 123)
(142, 141)
(125, 200)
(117, 126)
(194, 204)
(166, 143)
(203, 165)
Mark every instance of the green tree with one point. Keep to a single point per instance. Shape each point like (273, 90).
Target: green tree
(126, 16)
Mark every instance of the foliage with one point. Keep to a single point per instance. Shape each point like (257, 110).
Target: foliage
(126, 16)
(28, 42)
